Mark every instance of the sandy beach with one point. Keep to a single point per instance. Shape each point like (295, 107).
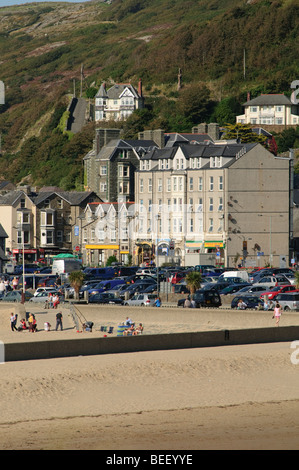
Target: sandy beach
(232, 397)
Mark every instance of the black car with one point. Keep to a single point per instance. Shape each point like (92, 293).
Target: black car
(104, 298)
(251, 301)
(204, 298)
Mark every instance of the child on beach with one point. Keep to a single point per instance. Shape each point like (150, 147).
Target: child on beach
(277, 313)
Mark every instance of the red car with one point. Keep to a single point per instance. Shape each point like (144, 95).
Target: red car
(279, 290)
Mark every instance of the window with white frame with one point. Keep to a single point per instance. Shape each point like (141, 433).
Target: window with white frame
(211, 204)
(191, 226)
(159, 185)
(103, 170)
(220, 205)
(168, 184)
(220, 181)
(211, 183)
(150, 185)
(175, 183)
(181, 183)
(191, 183)
(200, 183)
(141, 185)
(211, 225)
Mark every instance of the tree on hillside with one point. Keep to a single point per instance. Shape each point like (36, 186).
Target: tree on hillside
(194, 103)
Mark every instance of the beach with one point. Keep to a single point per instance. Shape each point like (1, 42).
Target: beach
(230, 397)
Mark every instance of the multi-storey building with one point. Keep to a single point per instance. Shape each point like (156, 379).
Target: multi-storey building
(42, 224)
(110, 166)
(106, 229)
(216, 198)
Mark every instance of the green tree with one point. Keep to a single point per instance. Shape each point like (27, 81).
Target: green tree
(243, 133)
(194, 103)
(193, 281)
(76, 279)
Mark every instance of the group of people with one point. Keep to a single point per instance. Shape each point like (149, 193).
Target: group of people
(32, 324)
(267, 306)
(130, 328)
(52, 301)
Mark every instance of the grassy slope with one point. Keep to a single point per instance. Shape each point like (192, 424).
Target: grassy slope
(42, 47)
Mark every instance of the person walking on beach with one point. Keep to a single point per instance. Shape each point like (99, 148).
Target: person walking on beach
(277, 313)
(13, 321)
(59, 320)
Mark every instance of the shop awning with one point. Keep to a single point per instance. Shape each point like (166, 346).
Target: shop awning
(214, 244)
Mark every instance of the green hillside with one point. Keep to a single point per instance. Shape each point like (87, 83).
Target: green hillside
(224, 48)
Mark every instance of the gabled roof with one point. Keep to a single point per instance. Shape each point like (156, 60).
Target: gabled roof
(269, 100)
(172, 139)
(116, 91)
(72, 197)
(12, 196)
(108, 151)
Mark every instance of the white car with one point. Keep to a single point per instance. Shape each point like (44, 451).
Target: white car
(44, 289)
(142, 299)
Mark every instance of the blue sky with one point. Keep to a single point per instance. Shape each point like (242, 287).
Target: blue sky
(6, 3)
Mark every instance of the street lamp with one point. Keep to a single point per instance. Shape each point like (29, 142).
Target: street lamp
(158, 217)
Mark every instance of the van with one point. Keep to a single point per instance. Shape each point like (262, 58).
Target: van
(241, 274)
(65, 265)
(204, 298)
(99, 273)
(289, 301)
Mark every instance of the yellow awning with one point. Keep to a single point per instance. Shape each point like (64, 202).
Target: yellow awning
(213, 244)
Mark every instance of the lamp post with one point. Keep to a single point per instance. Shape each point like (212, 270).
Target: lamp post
(157, 254)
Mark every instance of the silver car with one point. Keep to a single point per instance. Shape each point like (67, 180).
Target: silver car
(288, 301)
(142, 299)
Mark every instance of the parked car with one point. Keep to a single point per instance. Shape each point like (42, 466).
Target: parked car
(204, 298)
(47, 290)
(105, 298)
(272, 281)
(134, 289)
(142, 299)
(278, 290)
(102, 286)
(251, 301)
(288, 301)
(16, 296)
(43, 296)
(233, 288)
(253, 289)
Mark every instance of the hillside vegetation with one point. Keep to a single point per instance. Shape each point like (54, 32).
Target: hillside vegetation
(224, 49)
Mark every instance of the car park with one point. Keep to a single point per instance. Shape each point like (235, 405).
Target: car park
(251, 301)
(288, 301)
(105, 298)
(141, 299)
